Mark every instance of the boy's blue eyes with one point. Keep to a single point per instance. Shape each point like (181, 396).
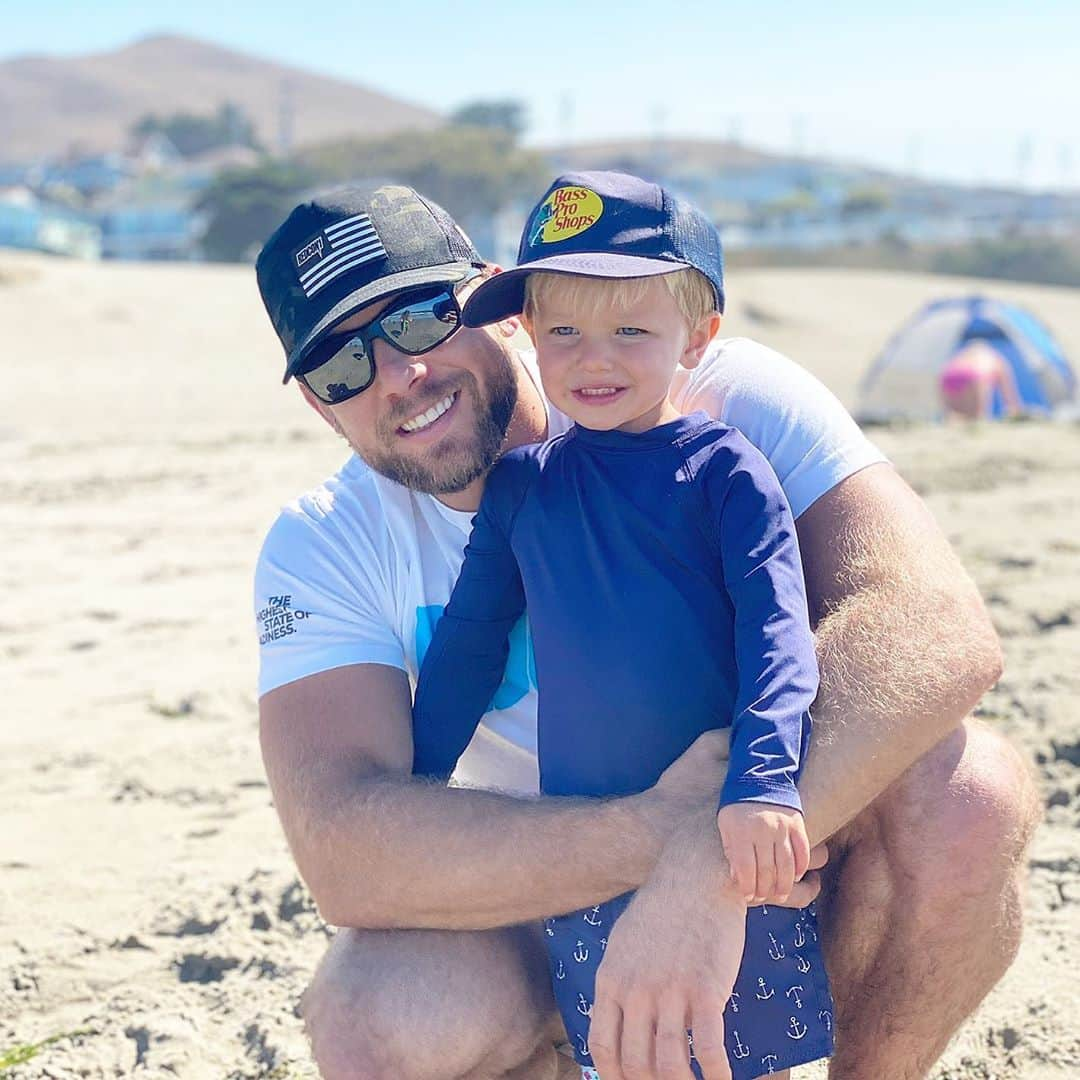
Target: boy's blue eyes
(626, 331)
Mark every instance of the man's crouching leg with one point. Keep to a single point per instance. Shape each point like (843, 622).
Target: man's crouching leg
(434, 1005)
(921, 904)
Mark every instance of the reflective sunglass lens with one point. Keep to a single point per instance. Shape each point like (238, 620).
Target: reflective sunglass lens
(421, 325)
(344, 374)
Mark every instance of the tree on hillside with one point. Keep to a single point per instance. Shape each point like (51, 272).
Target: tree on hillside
(244, 206)
(865, 199)
(194, 134)
(470, 171)
(507, 116)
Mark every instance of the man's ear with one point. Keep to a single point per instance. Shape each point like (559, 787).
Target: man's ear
(320, 407)
(527, 326)
(699, 340)
(508, 327)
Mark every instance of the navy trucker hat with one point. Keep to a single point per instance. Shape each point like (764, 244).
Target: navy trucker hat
(603, 224)
(347, 248)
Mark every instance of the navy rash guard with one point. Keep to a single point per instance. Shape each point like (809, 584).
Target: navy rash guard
(665, 598)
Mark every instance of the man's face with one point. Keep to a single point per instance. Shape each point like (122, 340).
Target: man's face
(435, 422)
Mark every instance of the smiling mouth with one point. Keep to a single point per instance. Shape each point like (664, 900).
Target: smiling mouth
(426, 419)
(598, 394)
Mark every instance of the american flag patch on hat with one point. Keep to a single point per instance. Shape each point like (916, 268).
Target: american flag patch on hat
(336, 250)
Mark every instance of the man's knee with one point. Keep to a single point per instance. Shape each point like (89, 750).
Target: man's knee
(958, 821)
(421, 1005)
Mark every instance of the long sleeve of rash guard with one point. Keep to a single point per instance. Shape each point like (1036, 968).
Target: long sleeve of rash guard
(774, 645)
(467, 657)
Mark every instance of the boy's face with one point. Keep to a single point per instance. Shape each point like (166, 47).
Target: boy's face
(610, 367)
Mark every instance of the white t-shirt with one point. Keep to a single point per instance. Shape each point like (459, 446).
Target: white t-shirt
(359, 570)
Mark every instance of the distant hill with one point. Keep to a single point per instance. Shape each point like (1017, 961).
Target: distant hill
(639, 153)
(682, 157)
(52, 105)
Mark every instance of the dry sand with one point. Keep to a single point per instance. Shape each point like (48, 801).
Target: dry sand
(151, 921)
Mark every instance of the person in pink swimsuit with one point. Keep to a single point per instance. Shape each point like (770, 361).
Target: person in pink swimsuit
(968, 381)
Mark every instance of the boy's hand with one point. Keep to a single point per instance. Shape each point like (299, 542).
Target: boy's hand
(766, 848)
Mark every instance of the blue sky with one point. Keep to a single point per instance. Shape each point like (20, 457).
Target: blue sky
(989, 95)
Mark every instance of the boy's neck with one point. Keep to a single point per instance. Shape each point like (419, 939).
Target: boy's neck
(662, 413)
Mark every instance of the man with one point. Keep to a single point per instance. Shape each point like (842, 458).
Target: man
(441, 973)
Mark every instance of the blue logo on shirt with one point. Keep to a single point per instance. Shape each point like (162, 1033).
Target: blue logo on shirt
(520, 676)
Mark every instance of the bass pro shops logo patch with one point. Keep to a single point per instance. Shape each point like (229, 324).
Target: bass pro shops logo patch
(566, 212)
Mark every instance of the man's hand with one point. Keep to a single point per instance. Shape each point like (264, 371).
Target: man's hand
(669, 966)
(671, 961)
(766, 848)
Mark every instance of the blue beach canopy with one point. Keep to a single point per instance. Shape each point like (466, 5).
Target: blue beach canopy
(903, 382)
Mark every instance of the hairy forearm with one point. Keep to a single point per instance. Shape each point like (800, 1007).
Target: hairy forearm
(405, 853)
(379, 848)
(905, 654)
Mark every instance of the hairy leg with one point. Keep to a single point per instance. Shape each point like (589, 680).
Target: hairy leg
(435, 1005)
(921, 906)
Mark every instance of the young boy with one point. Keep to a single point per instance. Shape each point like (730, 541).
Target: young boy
(659, 562)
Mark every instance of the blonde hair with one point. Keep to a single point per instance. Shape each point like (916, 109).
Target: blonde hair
(691, 290)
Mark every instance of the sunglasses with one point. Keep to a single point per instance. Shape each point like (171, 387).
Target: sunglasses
(343, 365)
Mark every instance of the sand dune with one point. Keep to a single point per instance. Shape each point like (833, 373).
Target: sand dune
(151, 922)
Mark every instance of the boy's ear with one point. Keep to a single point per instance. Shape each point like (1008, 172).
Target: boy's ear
(699, 340)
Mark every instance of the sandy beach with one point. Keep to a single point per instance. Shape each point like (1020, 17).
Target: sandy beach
(151, 920)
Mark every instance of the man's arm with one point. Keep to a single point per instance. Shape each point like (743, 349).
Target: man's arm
(379, 849)
(905, 646)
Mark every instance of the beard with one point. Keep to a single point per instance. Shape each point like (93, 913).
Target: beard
(455, 463)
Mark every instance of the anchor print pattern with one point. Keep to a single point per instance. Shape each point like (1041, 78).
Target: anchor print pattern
(776, 950)
(739, 1050)
(779, 1013)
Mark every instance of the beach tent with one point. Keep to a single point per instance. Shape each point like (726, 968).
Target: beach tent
(903, 382)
